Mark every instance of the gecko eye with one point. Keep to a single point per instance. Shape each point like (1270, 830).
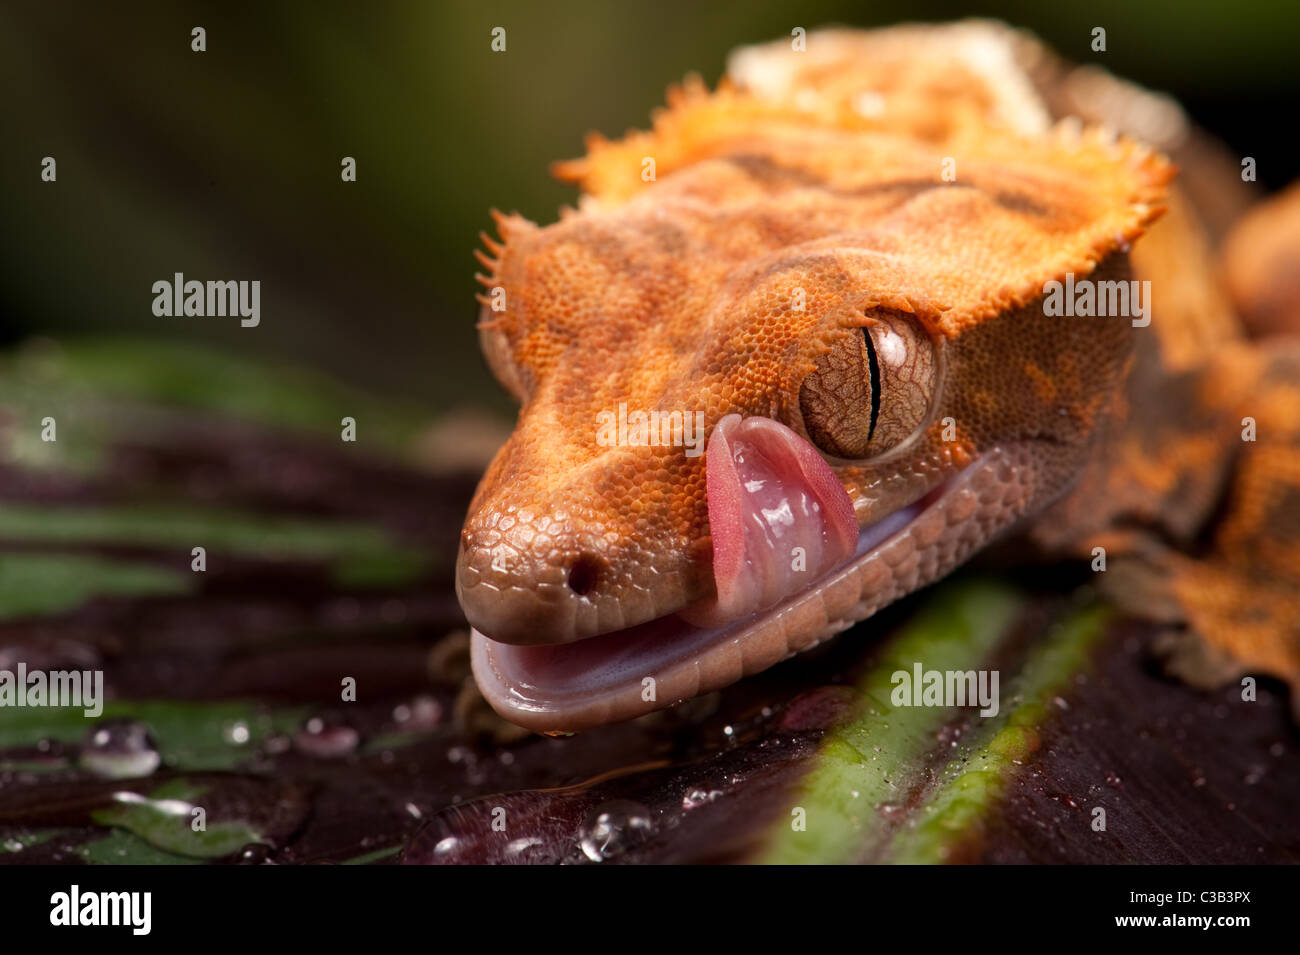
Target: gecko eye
(872, 390)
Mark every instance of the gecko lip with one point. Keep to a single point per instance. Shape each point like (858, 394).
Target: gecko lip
(602, 679)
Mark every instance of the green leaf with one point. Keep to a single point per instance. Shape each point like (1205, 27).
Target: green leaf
(882, 788)
(166, 820)
(41, 584)
(190, 736)
(866, 765)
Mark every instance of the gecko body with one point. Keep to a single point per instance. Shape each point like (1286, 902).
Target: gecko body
(844, 266)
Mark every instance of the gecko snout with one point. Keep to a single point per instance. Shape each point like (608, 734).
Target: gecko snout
(534, 581)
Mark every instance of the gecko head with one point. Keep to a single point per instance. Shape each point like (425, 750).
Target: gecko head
(761, 400)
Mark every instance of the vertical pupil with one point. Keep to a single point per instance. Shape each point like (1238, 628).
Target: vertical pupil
(874, 367)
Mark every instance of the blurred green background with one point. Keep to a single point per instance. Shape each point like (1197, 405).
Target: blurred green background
(225, 164)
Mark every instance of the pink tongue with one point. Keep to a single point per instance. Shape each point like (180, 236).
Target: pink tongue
(778, 515)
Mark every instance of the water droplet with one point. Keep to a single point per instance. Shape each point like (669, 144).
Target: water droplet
(13, 845)
(613, 828)
(1113, 780)
(325, 742)
(255, 853)
(524, 849)
(1065, 799)
(423, 712)
(699, 797)
(236, 732)
(119, 749)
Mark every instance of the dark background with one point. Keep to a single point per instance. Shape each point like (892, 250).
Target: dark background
(225, 164)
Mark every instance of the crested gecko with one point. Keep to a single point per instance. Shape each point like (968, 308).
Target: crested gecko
(842, 263)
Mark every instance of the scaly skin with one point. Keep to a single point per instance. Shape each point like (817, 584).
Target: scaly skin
(787, 215)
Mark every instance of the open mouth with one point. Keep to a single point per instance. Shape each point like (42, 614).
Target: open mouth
(627, 673)
(790, 568)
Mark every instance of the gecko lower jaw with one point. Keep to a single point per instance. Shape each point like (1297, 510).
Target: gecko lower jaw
(628, 673)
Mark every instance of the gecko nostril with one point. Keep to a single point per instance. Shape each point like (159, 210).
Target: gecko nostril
(583, 575)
